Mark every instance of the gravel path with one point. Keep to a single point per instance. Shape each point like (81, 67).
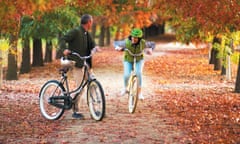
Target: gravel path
(146, 125)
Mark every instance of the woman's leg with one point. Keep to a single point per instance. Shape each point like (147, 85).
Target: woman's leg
(139, 69)
(127, 68)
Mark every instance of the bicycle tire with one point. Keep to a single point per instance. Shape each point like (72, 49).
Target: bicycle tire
(49, 89)
(96, 100)
(133, 94)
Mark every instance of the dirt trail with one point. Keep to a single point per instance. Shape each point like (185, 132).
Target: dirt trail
(179, 105)
(146, 125)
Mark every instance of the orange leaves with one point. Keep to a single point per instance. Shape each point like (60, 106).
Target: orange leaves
(210, 15)
(12, 11)
(179, 66)
(186, 102)
(21, 119)
(142, 19)
(193, 94)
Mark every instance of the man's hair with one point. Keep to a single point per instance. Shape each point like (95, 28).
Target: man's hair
(85, 18)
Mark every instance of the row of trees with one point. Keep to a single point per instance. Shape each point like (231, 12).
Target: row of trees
(193, 20)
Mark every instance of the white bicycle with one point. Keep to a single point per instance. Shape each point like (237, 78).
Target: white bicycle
(133, 84)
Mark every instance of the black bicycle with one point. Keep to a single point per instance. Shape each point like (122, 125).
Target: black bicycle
(55, 95)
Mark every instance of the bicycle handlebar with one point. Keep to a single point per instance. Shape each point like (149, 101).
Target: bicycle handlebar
(81, 57)
(132, 54)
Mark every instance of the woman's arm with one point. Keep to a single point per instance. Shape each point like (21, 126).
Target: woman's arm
(119, 45)
(150, 44)
(149, 47)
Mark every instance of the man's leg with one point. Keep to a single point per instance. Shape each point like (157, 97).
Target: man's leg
(77, 75)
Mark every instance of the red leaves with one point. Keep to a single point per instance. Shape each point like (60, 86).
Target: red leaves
(201, 104)
(186, 102)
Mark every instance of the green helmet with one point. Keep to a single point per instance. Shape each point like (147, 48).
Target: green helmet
(136, 32)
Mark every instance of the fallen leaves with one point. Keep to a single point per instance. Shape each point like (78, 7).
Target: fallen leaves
(207, 113)
(191, 104)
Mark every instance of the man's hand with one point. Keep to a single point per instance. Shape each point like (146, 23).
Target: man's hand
(96, 49)
(66, 52)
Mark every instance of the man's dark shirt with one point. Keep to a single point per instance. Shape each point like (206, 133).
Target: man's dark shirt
(79, 41)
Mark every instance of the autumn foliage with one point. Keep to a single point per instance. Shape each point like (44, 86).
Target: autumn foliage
(196, 97)
(190, 103)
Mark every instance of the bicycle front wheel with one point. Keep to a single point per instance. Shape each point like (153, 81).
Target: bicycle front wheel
(133, 94)
(50, 89)
(96, 100)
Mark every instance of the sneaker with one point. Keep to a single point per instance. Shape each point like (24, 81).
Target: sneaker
(140, 96)
(77, 115)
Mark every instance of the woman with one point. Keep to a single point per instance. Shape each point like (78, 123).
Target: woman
(136, 44)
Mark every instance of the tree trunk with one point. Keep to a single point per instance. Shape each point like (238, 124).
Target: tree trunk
(216, 60)
(12, 60)
(154, 30)
(1, 68)
(237, 84)
(212, 56)
(59, 52)
(217, 64)
(94, 28)
(102, 36)
(37, 53)
(48, 52)
(228, 68)
(223, 71)
(26, 63)
(108, 35)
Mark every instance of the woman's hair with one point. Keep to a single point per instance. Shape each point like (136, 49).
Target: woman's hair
(139, 39)
(86, 18)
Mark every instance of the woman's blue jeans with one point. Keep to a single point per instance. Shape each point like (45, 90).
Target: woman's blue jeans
(127, 66)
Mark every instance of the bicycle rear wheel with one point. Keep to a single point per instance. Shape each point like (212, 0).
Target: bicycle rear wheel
(96, 100)
(133, 94)
(50, 89)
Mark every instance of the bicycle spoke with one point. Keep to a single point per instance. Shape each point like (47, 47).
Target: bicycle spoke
(96, 100)
(133, 94)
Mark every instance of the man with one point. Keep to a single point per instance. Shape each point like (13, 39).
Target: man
(79, 40)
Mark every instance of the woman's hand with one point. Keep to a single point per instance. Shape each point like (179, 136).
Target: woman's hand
(118, 48)
(148, 51)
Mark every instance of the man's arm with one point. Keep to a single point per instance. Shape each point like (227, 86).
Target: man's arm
(66, 39)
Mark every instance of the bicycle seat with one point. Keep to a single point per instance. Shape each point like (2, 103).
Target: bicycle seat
(64, 70)
(66, 63)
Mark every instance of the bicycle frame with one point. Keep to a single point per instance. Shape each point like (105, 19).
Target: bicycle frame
(64, 79)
